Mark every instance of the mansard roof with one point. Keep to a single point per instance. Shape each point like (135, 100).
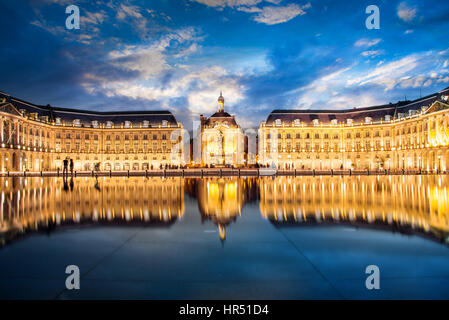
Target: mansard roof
(376, 113)
(85, 117)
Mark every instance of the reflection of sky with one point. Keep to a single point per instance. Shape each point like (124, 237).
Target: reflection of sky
(258, 261)
(179, 54)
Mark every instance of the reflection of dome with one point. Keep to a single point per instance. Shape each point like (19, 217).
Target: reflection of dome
(220, 201)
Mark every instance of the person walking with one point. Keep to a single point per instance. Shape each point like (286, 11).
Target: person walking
(97, 169)
(65, 170)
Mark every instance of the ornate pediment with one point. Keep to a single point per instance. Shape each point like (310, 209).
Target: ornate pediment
(9, 108)
(221, 124)
(437, 106)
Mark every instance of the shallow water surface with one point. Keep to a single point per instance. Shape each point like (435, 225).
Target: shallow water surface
(274, 238)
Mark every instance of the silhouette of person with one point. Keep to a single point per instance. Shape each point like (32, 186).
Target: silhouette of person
(71, 166)
(65, 165)
(66, 184)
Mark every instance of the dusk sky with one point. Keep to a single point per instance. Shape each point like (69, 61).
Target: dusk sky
(264, 55)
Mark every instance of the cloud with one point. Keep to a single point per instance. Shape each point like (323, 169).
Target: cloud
(132, 13)
(363, 85)
(152, 72)
(406, 13)
(364, 42)
(275, 15)
(125, 11)
(54, 30)
(151, 59)
(229, 3)
(372, 53)
(411, 71)
(269, 15)
(387, 75)
(94, 18)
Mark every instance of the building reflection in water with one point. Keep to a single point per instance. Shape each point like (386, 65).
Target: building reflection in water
(398, 203)
(32, 203)
(403, 203)
(221, 199)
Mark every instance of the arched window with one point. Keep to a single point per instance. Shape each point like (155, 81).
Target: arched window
(278, 122)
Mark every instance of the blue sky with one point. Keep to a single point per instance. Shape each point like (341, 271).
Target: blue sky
(263, 55)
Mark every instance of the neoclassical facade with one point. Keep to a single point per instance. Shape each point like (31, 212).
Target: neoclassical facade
(38, 138)
(222, 139)
(405, 135)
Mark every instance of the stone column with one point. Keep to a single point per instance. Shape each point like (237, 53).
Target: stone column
(17, 137)
(1, 131)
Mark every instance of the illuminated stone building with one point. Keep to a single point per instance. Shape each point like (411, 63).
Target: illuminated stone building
(405, 135)
(222, 139)
(38, 138)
